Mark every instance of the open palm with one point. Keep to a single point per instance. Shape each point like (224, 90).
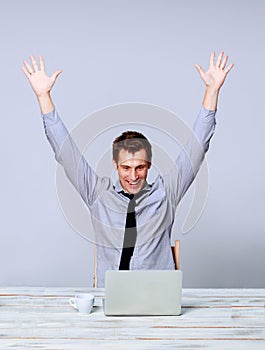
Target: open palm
(215, 76)
(40, 82)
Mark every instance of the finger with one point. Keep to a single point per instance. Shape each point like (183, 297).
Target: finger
(28, 67)
(231, 65)
(25, 70)
(56, 74)
(219, 59)
(212, 57)
(199, 69)
(34, 63)
(42, 66)
(223, 64)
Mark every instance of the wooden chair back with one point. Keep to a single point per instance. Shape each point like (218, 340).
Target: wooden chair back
(176, 254)
(95, 281)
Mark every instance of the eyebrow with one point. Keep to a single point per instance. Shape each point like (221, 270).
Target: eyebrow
(128, 166)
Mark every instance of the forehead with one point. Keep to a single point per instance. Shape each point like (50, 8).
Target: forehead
(137, 157)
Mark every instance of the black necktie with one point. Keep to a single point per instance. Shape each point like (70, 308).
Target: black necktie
(129, 234)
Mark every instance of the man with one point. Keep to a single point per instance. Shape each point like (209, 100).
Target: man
(132, 219)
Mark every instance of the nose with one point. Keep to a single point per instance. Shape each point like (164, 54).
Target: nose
(134, 174)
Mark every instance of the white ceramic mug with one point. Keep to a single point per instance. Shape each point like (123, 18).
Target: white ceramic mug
(83, 302)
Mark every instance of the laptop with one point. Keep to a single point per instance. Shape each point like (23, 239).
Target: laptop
(143, 292)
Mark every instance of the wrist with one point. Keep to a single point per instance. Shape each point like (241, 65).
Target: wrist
(210, 98)
(43, 95)
(45, 102)
(212, 91)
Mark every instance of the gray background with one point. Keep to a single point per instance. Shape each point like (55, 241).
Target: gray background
(121, 51)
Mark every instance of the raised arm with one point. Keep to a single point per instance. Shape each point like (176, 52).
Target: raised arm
(40, 82)
(214, 78)
(84, 179)
(190, 159)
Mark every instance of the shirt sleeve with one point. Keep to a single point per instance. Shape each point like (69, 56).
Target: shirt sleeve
(81, 175)
(188, 163)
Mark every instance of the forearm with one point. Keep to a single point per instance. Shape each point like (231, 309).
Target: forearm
(203, 128)
(210, 99)
(84, 179)
(191, 157)
(45, 102)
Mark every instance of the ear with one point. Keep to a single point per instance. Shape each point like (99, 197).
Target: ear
(115, 165)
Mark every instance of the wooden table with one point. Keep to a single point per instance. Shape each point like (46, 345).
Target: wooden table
(41, 318)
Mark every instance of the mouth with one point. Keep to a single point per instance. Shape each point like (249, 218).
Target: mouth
(135, 183)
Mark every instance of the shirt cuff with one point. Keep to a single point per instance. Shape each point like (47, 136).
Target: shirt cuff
(50, 117)
(208, 111)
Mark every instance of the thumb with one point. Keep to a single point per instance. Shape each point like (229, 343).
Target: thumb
(199, 69)
(56, 74)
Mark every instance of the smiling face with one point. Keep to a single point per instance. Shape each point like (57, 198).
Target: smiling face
(132, 170)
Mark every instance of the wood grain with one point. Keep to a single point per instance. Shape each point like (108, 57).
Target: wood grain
(41, 318)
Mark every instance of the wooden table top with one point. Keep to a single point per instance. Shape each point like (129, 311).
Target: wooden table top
(42, 318)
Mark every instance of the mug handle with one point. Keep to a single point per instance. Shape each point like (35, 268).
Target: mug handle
(72, 302)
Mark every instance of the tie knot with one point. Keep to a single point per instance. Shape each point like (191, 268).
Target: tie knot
(128, 195)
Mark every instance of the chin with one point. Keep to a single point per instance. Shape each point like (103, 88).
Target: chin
(134, 190)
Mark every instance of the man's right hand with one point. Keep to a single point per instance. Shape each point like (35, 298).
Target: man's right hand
(40, 82)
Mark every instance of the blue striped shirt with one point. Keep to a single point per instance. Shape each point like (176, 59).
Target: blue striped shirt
(155, 207)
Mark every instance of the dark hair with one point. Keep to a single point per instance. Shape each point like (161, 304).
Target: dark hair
(131, 141)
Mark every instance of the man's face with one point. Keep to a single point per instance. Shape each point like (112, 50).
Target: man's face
(132, 170)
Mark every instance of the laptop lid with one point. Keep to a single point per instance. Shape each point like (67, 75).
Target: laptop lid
(143, 292)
